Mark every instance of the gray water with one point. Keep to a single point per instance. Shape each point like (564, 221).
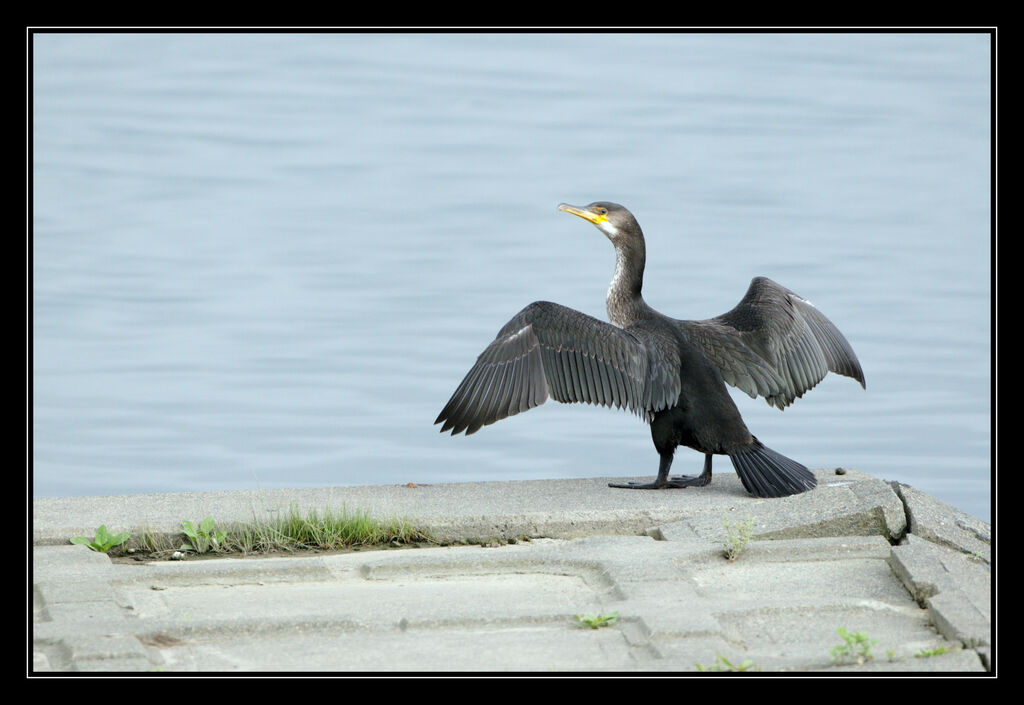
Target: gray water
(267, 260)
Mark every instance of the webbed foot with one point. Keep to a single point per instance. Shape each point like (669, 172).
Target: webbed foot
(670, 483)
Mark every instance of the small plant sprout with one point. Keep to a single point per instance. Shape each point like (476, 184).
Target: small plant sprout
(723, 664)
(737, 535)
(856, 648)
(204, 539)
(103, 541)
(596, 621)
(928, 653)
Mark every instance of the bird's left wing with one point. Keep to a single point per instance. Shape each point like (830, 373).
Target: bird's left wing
(549, 350)
(774, 343)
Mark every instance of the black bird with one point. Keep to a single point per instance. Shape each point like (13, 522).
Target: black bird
(671, 373)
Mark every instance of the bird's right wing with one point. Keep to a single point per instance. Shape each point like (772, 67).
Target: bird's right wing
(549, 350)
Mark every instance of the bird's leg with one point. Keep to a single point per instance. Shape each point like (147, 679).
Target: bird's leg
(664, 482)
(695, 480)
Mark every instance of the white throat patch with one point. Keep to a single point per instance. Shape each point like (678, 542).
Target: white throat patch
(607, 228)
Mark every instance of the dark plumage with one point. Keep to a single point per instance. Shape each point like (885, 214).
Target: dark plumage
(671, 373)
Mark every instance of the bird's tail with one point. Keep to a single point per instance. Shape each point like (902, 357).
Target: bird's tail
(766, 473)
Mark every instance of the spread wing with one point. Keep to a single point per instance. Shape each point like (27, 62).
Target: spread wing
(549, 350)
(774, 343)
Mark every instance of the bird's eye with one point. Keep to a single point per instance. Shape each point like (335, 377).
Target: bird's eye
(602, 211)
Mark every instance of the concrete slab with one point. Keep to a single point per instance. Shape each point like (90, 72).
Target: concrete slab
(932, 519)
(818, 561)
(954, 586)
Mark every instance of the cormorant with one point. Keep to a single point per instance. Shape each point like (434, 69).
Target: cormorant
(671, 373)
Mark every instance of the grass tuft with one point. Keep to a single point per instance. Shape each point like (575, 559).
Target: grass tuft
(291, 531)
(330, 530)
(737, 536)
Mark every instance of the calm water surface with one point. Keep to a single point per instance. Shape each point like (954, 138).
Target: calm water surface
(267, 260)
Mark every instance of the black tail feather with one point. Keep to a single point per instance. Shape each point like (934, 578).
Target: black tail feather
(765, 473)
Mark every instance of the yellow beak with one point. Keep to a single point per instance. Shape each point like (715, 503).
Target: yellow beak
(595, 218)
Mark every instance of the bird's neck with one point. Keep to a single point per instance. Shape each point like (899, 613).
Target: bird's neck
(625, 304)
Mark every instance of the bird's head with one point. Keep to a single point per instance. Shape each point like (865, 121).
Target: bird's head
(617, 223)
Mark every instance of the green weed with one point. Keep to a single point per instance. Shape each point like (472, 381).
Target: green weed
(856, 648)
(723, 664)
(205, 538)
(737, 535)
(103, 541)
(596, 621)
(928, 653)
